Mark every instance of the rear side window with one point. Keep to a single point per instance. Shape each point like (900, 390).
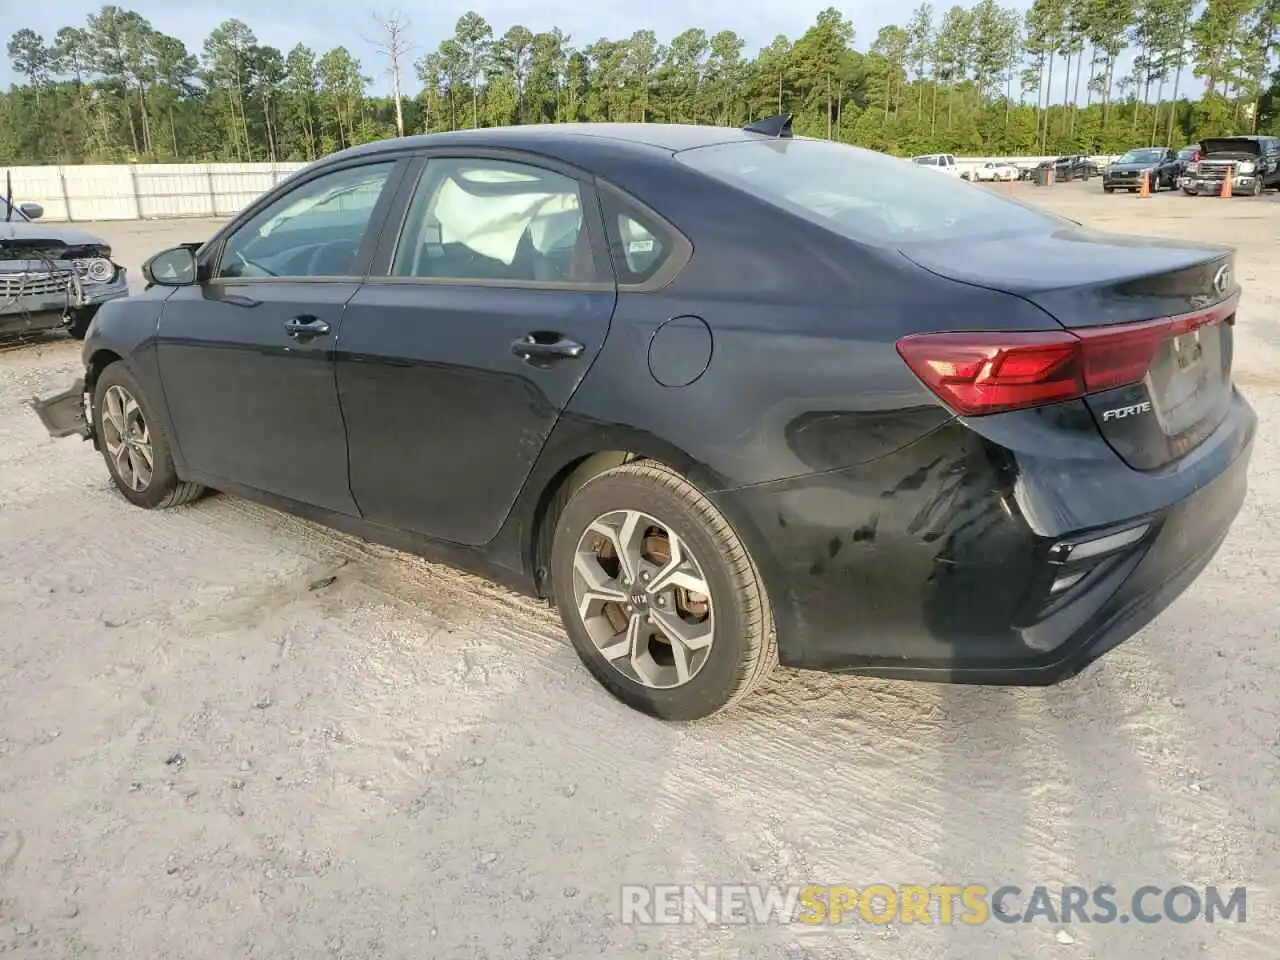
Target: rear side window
(639, 245)
(861, 194)
(494, 220)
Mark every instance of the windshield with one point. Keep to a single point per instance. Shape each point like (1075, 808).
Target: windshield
(1143, 156)
(862, 194)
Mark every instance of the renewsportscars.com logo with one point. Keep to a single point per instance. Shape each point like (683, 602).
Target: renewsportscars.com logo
(926, 904)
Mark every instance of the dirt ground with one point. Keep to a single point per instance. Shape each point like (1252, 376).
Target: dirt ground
(208, 749)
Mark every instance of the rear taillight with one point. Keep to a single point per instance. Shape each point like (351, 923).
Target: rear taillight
(980, 373)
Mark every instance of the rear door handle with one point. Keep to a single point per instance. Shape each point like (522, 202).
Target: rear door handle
(536, 347)
(306, 327)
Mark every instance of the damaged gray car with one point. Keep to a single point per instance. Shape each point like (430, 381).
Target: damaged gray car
(51, 276)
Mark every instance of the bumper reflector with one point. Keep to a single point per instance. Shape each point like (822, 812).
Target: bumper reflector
(1084, 549)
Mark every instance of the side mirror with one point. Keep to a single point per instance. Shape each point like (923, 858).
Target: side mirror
(32, 211)
(175, 267)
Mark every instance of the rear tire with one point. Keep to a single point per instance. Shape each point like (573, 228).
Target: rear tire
(629, 607)
(134, 444)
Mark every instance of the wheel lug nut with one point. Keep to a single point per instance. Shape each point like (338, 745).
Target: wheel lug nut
(644, 576)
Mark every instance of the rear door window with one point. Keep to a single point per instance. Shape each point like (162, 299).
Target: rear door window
(495, 220)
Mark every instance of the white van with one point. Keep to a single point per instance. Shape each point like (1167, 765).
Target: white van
(944, 162)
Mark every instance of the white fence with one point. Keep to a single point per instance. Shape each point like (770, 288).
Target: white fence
(168, 190)
(144, 191)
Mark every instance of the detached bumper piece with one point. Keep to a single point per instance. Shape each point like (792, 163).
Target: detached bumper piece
(64, 414)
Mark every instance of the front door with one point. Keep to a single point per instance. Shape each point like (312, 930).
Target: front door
(246, 357)
(457, 356)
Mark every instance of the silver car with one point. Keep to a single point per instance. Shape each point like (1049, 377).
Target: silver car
(52, 276)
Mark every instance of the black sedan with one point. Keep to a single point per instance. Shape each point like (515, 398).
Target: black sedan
(728, 397)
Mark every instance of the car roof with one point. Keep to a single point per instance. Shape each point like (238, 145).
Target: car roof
(546, 137)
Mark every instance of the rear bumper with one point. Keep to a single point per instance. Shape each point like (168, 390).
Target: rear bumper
(936, 562)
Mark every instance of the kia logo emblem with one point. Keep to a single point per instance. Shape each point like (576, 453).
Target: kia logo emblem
(1222, 280)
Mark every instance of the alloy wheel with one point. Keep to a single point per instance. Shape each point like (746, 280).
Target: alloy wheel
(127, 438)
(643, 599)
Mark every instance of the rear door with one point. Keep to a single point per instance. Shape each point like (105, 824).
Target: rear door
(477, 324)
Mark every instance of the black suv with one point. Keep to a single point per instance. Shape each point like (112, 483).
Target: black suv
(1161, 165)
(1078, 167)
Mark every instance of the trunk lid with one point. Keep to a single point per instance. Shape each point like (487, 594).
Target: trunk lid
(1167, 305)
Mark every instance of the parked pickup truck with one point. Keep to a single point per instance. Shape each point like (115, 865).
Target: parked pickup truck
(1253, 162)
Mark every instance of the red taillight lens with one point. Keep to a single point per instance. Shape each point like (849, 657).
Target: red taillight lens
(980, 373)
(977, 373)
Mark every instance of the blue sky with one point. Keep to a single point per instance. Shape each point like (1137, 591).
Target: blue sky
(323, 24)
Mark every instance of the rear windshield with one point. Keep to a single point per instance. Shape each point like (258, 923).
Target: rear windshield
(864, 195)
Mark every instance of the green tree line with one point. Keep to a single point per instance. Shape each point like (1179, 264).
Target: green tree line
(1067, 76)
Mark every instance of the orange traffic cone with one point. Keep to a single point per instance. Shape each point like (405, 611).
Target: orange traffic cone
(1226, 186)
(1145, 189)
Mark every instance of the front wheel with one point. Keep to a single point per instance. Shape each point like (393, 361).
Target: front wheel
(134, 443)
(80, 320)
(1257, 188)
(658, 594)
(1108, 189)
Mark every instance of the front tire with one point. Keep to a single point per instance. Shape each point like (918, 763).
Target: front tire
(1108, 189)
(134, 443)
(80, 320)
(658, 594)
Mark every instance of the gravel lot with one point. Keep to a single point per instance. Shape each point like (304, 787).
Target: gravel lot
(206, 751)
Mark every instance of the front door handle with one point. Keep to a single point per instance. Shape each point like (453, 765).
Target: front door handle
(542, 347)
(306, 327)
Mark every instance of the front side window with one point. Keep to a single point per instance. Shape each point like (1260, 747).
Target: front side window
(495, 220)
(314, 230)
(864, 195)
